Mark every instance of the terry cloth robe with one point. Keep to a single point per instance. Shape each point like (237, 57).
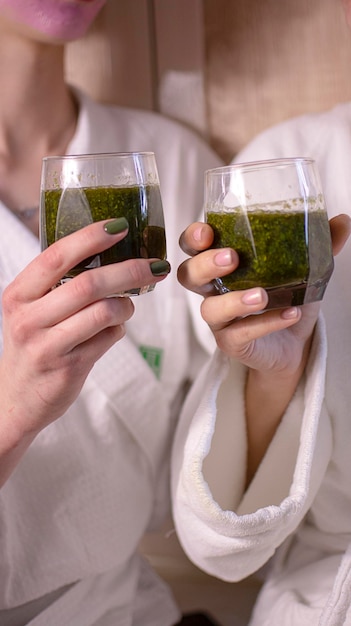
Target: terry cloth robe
(296, 514)
(73, 512)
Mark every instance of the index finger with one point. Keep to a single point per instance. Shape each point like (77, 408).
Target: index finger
(197, 274)
(196, 238)
(52, 264)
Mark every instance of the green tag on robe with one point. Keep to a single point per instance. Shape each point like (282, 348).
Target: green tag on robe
(153, 357)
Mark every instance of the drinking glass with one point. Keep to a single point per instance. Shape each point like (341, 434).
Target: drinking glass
(274, 215)
(79, 190)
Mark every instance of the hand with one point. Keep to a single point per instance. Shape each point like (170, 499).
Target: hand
(52, 338)
(273, 345)
(274, 340)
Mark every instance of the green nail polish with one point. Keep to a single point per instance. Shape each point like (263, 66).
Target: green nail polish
(160, 268)
(116, 226)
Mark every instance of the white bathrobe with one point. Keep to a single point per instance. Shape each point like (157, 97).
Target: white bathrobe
(300, 499)
(73, 512)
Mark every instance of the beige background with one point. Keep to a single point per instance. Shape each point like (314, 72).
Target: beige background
(228, 69)
(270, 60)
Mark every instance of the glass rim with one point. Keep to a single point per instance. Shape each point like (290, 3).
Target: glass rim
(97, 155)
(260, 164)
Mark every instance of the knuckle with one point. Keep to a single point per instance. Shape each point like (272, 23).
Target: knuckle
(84, 286)
(20, 325)
(112, 312)
(128, 308)
(21, 331)
(212, 313)
(104, 313)
(76, 364)
(116, 332)
(220, 341)
(120, 332)
(54, 259)
(137, 273)
(10, 299)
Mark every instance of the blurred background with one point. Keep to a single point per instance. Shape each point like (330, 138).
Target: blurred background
(228, 69)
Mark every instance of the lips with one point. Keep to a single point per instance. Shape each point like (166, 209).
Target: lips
(59, 20)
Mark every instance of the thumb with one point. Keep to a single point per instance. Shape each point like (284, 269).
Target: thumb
(340, 228)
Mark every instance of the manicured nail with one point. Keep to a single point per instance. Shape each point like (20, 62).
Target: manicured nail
(223, 258)
(290, 314)
(116, 226)
(254, 296)
(197, 234)
(160, 268)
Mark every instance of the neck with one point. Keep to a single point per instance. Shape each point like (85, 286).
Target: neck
(36, 106)
(38, 116)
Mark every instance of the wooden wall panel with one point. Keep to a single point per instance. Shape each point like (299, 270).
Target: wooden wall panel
(227, 68)
(114, 62)
(179, 37)
(268, 61)
(145, 54)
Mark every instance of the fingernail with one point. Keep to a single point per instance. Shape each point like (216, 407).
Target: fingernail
(223, 258)
(197, 234)
(116, 226)
(160, 268)
(254, 296)
(289, 314)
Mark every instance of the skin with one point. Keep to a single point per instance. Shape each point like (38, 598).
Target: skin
(51, 20)
(32, 74)
(52, 338)
(273, 346)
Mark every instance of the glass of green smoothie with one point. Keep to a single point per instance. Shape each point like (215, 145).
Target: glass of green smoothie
(274, 215)
(78, 190)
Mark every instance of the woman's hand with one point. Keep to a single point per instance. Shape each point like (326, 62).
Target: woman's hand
(275, 339)
(52, 338)
(273, 345)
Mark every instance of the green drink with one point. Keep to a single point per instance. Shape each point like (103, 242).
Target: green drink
(273, 214)
(79, 190)
(287, 252)
(92, 204)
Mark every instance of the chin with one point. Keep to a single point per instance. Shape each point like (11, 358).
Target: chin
(51, 20)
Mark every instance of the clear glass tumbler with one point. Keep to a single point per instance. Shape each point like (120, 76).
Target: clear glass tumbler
(79, 190)
(273, 214)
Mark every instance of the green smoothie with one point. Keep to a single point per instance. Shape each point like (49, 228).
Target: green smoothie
(287, 250)
(68, 210)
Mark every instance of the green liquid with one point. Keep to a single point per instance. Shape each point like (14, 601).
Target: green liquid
(287, 250)
(66, 211)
